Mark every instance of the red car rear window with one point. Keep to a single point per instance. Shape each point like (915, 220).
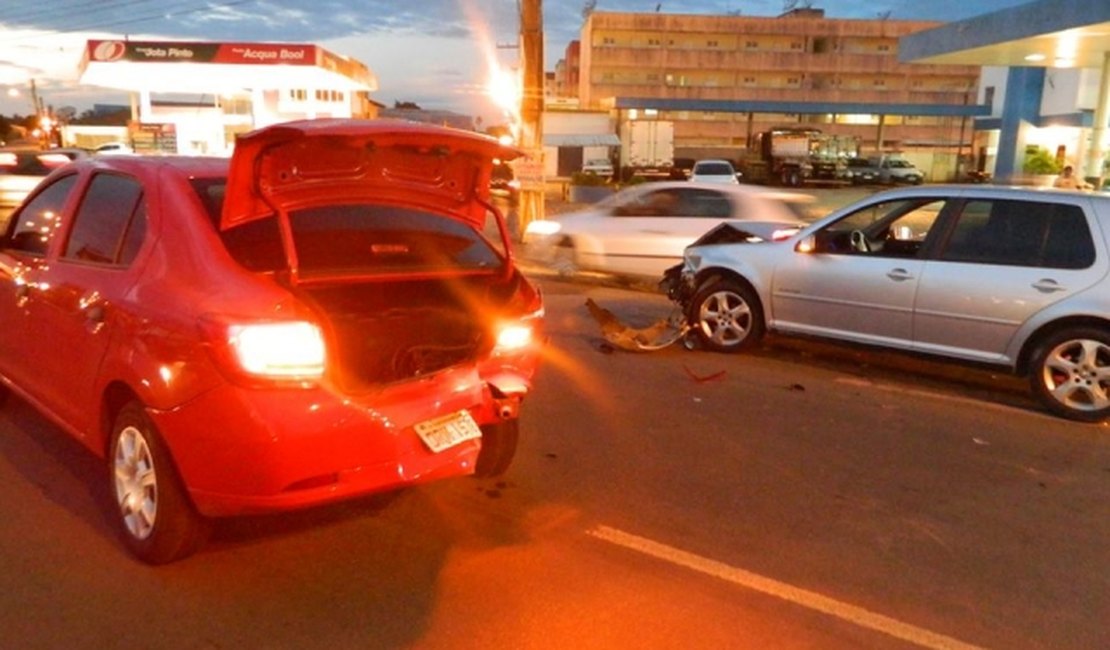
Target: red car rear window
(355, 238)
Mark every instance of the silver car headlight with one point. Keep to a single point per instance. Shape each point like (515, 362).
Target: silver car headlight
(543, 228)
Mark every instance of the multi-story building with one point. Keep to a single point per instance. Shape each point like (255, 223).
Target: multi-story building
(721, 79)
(566, 71)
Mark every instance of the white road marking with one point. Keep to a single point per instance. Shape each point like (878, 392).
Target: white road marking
(790, 593)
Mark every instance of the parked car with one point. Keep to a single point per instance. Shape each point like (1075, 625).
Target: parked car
(316, 319)
(599, 166)
(714, 171)
(113, 148)
(861, 171)
(1015, 278)
(21, 170)
(642, 230)
(893, 169)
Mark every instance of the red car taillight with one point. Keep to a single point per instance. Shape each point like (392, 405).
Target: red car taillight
(520, 333)
(512, 337)
(281, 351)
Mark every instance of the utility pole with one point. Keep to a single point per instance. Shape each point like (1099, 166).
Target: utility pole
(36, 101)
(531, 112)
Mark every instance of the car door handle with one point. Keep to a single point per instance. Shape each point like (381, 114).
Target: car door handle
(92, 306)
(1048, 285)
(95, 313)
(899, 275)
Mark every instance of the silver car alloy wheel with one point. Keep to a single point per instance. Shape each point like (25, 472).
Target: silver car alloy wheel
(136, 483)
(1076, 373)
(725, 318)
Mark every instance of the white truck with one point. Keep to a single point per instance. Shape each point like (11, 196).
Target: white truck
(648, 145)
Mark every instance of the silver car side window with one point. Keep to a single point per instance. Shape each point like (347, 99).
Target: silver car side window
(885, 229)
(1021, 233)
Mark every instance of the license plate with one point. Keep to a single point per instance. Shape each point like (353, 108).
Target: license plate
(448, 430)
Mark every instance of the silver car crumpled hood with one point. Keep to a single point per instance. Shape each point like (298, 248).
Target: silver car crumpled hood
(748, 232)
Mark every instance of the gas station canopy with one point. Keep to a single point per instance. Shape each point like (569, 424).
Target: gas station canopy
(1052, 33)
(207, 67)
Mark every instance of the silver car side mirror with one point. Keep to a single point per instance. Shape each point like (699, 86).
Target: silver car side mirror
(806, 244)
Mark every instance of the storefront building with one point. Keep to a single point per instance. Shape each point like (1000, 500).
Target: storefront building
(194, 97)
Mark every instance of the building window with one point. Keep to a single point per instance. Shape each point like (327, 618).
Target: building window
(988, 96)
(878, 83)
(608, 40)
(751, 45)
(884, 48)
(795, 46)
(654, 42)
(711, 44)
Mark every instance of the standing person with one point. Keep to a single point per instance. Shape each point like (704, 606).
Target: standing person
(1068, 181)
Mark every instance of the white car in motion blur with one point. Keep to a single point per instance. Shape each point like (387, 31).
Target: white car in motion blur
(642, 230)
(21, 170)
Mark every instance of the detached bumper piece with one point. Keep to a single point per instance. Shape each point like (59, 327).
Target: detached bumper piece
(661, 334)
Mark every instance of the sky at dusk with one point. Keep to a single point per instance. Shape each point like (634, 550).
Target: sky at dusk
(432, 52)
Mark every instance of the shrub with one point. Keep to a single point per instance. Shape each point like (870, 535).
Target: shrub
(590, 179)
(1039, 161)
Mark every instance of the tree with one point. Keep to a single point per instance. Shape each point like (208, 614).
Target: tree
(5, 127)
(406, 105)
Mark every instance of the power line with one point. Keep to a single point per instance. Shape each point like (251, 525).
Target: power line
(208, 6)
(82, 8)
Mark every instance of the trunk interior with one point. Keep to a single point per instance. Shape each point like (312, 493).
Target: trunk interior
(392, 331)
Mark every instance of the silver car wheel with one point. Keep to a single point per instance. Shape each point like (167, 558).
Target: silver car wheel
(725, 318)
(1076, 373)
(136, 483)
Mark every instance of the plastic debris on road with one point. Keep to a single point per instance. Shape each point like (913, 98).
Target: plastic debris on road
(656, 336)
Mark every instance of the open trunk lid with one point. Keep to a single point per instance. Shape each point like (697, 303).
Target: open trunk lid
(326, 161)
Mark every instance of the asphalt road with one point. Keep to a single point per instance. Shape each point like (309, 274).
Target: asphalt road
(803, 496)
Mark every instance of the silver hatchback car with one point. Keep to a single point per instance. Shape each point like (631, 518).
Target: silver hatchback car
(1003, 276)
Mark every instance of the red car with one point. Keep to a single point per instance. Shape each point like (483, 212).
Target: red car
(322, 317)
